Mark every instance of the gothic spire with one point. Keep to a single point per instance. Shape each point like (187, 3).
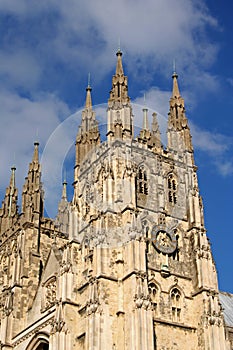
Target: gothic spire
(88, 115)
(120, 117)
(32, 196)
(9, 210)
(88, 94)
(178, 132)
(175, 90)
(88, 135)
(119, 91)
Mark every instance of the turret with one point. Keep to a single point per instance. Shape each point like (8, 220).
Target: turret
(120, 117)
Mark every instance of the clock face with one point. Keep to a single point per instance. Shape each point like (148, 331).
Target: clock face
(164, 241)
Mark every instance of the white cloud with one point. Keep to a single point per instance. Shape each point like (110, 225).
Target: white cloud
(22, 122)
(217, 147)
(225, 167)
(19, 69)
(213, 143)
(82, 35)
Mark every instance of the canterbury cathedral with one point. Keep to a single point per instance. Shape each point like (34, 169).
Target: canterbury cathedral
(126, 264)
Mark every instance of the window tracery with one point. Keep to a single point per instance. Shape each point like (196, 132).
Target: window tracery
(172, 189)
(154, 296)
(50, 292)
(176, 304)
(142, 184)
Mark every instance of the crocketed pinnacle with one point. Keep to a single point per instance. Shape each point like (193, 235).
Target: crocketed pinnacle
(178, 129)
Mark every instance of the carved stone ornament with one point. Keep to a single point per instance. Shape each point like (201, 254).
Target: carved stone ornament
(163, 240)
(50, 293)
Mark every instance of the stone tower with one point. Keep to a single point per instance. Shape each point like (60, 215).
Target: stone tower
(127, 263)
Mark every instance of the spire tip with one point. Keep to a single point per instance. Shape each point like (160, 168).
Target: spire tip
(119, 52)
(89, 81)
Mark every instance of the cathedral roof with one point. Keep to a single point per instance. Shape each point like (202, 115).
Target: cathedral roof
(227, 304)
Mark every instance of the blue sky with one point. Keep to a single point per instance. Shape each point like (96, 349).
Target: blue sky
(47, 49)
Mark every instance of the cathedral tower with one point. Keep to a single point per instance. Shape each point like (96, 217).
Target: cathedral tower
(127, 263)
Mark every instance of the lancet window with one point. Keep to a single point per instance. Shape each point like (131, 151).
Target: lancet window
(172, 189)
(154, 296)
(176, 304)
(142, 182)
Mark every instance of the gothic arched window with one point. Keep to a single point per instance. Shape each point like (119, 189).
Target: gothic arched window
(172, 189)
(176, 304)
(154, 295)
(141, 186)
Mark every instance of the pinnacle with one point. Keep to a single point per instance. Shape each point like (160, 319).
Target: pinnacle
(35, 158)
(12, 179)
(145, 119)
(64, 191)
(88, 95)
(119, 66)
(175, 90)
(154, 125)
